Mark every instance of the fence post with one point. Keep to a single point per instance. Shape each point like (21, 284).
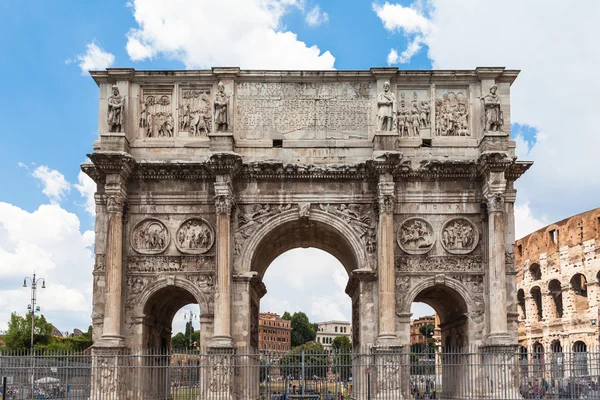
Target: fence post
(3, 388)
(303, 381)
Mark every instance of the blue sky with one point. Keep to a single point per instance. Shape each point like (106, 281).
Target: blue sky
(49, 110)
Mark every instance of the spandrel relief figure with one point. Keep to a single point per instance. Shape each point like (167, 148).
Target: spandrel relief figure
(156, 118)
(494, 118)
(116, 107)
(196, 116)
(415, 236)
(221, 109)
(386, 109)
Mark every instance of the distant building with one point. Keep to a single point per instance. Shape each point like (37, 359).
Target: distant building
(329, 330)
(77, 332)
(415, 329)
(274, 333)
(56, 332)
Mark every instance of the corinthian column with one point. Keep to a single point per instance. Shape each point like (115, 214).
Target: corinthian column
(224, 202)
(385, 259)
(496, 268)
(114, 267)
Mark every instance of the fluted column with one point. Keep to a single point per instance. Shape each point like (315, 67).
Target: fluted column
(385, 259)
(114, 267)
(224, 203)
(496, 267)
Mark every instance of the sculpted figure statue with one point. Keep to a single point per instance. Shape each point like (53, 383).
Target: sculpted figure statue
(494, 118)
(116, 104)
(221, 109)
(386, 113)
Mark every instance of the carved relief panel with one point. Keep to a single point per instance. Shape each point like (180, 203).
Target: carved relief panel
(195, 111)
(459, 236)
(452, 112)
(156, 113)
(150, 236)
(415, 236)
(414, 112)
(194, 236)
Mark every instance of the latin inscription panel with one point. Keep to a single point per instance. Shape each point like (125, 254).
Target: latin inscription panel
(305, 110)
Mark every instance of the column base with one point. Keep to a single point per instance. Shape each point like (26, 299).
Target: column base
(499, 338)
(221, 342)
(387, 340)
(115, 341)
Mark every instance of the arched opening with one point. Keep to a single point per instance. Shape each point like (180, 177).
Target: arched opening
(523, 363)
(557, 362)
(448, 344)
(580, 362)
(309, 263)
(580, 293)
(521, 302)
(535, 271)
(536, 294)
(555, 292)
(537, 356)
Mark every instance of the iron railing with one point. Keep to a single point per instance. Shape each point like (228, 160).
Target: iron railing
(376, 373)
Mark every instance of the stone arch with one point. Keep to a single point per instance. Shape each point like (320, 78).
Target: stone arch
(157, 304)
(555, 293)
(321, 229)
(536, 295)
(580, 293)
(535, 271)
(454, 305)
(521, 303)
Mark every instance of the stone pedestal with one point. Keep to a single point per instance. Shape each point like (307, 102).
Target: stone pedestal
(389, 366)
(109, 380)
(217, 381)
(498, 373)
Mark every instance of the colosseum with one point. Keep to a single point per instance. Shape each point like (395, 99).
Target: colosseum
(558, 271)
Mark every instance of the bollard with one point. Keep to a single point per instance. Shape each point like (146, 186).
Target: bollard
(3, 388)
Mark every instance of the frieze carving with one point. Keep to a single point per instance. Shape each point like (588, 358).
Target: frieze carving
(414, 113)
(423, 264)
(204, 281)
(360, 217)
(474, 284)
(250, 218)
(415, 236)
(99, 263)
(156, 115)
(220, 375)
(493, 117)
(451, 113)
(195, 114)
(136, 284)
(222, 123)
(459, 236)
(116, 109)
(154, 264)
(388, 374)
(195, 236)
(386, 110)
(299, 110)
(150, 236)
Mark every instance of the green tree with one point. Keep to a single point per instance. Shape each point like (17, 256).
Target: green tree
(287, 316)
(18, 335)
(315, 361)
(427, 331)
(342, 344)
(302, 330)
(182, 340)
(179, 341)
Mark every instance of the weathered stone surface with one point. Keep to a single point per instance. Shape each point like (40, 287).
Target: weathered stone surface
(205, 177)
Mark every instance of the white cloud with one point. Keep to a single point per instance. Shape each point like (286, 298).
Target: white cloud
(525, 222)
(553, 93)
(48, 241)
(86, 188)
(94, 58)
(55, 186)
(397, 18)
(205, 33)
(316, 17)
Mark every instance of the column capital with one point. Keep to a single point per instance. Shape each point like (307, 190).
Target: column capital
(224, 198)
(115, 202)
(494, 202)
(386, 193)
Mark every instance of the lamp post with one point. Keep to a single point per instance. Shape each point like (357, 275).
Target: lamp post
(33, 308)
(191, 316)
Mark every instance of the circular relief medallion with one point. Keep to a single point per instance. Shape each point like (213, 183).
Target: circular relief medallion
(150, 236)
(459, 236)
(415, 236)
(195, 236)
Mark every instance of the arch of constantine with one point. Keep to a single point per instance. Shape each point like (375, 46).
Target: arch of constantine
(205, 177)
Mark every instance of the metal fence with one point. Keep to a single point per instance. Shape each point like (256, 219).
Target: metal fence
(378, 374)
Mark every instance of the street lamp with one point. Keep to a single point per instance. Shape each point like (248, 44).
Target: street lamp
(190, 315)
(32, 307)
